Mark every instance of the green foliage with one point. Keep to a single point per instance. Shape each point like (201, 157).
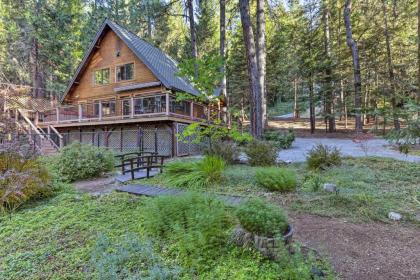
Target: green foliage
(199, 133)
(195, 174)
(226, 150)
(192, 227)
(128, 258)
(322, 157)
(208, 73)
(313, 182)
(81, 161)
(276, 179)
(280, 140)
(262, 218)
(261, 153)
(21, 180)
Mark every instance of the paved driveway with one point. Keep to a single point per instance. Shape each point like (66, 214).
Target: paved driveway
(376, 147)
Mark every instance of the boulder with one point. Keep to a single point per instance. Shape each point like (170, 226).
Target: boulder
(329, 187)
(394, 216)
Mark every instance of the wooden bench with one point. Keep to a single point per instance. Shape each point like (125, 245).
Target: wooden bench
(142, 162)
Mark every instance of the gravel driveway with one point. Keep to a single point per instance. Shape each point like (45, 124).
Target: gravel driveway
(376, 147)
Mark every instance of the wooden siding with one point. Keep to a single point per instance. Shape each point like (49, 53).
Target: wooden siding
(105, 57)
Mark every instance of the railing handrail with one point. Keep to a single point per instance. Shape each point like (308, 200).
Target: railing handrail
(56, 131)
(28, 121)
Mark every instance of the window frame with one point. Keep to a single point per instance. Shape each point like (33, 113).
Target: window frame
(101, 69)
(123, 65)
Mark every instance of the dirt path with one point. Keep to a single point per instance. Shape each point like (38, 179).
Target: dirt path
(362, 251)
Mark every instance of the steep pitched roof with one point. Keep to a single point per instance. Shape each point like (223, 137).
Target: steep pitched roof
(164, 67)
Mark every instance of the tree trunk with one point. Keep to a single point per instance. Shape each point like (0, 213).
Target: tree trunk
(329, 94)
(296, 113)
(356, 66)
(311, 104)
(418, 60)
(194, 52)
(38, 80)
(261, 57)
(223, 54)
(390, 69)
(255, 91)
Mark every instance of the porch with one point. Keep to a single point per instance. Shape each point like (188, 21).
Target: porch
(128, 110)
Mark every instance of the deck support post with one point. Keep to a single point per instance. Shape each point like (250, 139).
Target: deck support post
(57, 110)
(167, 103)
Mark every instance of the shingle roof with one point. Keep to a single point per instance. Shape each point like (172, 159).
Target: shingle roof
(162, 65)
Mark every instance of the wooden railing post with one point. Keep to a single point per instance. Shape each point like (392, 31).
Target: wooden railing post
(192, 110)
(36, 118)
(208, 113)
(80, 112)
(132, 107)
(100, 110)
(57, 110)
(167, 104)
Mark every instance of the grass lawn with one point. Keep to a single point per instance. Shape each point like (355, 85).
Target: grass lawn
(55, 238)
(369, 189)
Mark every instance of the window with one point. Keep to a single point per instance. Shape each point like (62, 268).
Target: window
(102, 77)
(125, 72)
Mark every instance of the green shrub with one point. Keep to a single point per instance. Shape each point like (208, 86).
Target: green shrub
(128, 258)
(281, 140)
(226, 150)
(195, 174)
(81, 161)
(192, 226)
(313, 182)
(261, 153)
(276, 179)
(21, 179)
(322, 157)
(262, 218)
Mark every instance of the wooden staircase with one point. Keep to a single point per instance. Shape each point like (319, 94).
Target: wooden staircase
(41, 140)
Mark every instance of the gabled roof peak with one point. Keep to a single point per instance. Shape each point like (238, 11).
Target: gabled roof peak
(164, 67)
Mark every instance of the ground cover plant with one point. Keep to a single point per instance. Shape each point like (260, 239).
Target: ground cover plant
(82, 161)
(21, 180)
(196, 174)
(276, 179)
(262, 218)
(368, 188)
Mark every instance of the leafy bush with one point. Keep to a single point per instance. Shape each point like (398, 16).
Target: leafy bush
(261, 153)
(322, 157)
(279, 139)
(276, 179)
(195, 174)
(192, 226)
(129, 258)
(21, 179)
(262, 218)
(81, 161)
(224, 149)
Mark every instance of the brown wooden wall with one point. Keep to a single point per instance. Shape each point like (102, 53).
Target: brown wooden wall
(105, 57)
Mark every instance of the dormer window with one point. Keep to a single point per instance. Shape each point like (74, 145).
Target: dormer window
(125, 72)
(101, 77)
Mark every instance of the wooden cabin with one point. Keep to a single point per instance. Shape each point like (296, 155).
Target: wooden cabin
(122, 96)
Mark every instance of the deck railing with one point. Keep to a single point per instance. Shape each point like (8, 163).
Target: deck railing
(134, 107)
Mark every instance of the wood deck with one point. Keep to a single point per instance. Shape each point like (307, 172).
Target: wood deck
(154, 191)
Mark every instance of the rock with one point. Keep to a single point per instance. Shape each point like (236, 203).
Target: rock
(417, 217)
(394, 216)
(330, 187)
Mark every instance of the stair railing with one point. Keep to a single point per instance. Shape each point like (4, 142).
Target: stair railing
(36, 131)
(53, 131)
